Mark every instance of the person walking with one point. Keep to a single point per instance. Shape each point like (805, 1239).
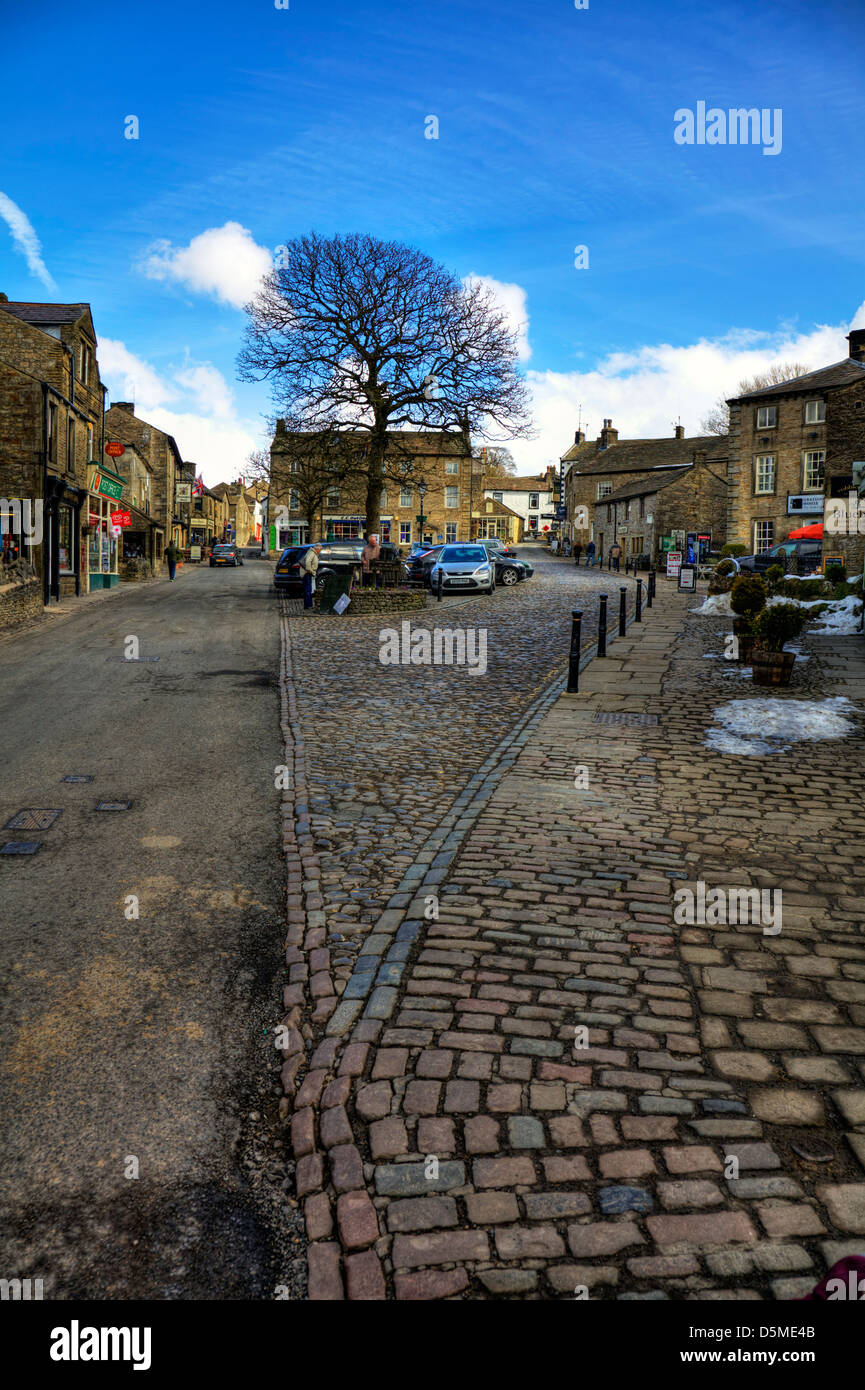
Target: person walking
(616, 555)
(590, 554)
(578, 550)
(309, 567)
(172, 555)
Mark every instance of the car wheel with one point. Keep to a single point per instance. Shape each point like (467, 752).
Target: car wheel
(510, 575)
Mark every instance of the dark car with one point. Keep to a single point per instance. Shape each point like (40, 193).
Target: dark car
(336, 557)
(509, 570)
(226, 553)
(495, 543)
(795, 557)
(418, 565)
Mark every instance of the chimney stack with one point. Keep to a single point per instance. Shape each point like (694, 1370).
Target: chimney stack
(680, 431)
(580, 437)
(856, 339)
(125, 405)
(4, 298)
(608, 435)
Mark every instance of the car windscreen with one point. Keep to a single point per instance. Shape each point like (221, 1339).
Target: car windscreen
(463, 554)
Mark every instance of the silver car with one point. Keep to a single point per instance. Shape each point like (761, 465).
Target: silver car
(463, 567)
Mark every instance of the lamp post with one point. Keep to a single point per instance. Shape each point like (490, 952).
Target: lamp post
(422, 488)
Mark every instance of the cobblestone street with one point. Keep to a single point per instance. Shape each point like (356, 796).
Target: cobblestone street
(455, 1132)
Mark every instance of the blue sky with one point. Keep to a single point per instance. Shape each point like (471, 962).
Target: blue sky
(555, 130)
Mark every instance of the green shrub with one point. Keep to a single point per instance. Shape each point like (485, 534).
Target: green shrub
(734, 548)
(804, 588)
(774, 576)
(836, 574)
(748, 596)
(779, 624)
(725, 567)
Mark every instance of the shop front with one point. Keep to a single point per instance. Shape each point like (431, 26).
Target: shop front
(102, 537)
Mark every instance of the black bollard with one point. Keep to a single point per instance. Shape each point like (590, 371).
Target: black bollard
(627, 564)
(441, 580)
(638, 616)
(650, 592)
(623, 617)
(602, 627)
(652, 579)
(574, 658)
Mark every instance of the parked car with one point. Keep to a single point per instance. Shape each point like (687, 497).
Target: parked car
(796, 557)
(495, 543)
(226, 553)
(337, 557)
(418, 565)
(508, 569)
(465, 566)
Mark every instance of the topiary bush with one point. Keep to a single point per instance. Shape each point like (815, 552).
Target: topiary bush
(734, 548)
(836, 574)
(804, 588)
(774, 576)
(778, 624)
(748, 596)
(725, 567)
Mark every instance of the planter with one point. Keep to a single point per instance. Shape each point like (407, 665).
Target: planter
(772, 668)
(746, 644)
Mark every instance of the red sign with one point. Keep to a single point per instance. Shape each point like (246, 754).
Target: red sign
(115, 449)
(121, 519)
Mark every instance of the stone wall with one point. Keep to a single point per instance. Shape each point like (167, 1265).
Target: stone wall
(845, 445)
(365, 601)
(20, 603)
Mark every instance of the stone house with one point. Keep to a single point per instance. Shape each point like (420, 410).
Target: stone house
(241, 511)
(792, 446)
(533, 498)
(430, 475)
(617, 490)
(169, 511)
(209, 515)
(51, 407)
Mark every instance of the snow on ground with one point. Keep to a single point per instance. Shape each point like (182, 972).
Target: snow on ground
(717, 604)
(753, 728)
(842, 618)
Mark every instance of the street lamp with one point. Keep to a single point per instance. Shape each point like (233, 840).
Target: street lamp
(421, 487)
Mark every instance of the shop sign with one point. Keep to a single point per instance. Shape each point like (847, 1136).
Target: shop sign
(106, 487)
(121, 519)
(182, 492)
(674, 563)
(115, 449)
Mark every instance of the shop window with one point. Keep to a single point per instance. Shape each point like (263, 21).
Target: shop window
(405, 533)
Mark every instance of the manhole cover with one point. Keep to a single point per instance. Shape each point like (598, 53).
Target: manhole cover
(20, 847)
(629, 720)
(813, 1153)
(34, 818)
(76, 778)
(113, 805)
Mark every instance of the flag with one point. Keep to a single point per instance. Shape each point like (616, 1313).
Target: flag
(198, 487)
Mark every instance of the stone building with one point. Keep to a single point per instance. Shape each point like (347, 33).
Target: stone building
(241, 511)
(792, 446)
(645, 494)
(430, 475)
(533, 498)
(51, 407)
(169, 510)
(492, 519)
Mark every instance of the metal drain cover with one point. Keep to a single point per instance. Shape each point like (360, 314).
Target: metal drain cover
(20, 847)
(113, 805)
(34, 818)
(76, 778)
(631, 721)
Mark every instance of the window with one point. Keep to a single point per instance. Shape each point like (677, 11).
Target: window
(815, 412)
(89, 443)
(405, 533)
(764, 535)
(767, 417)
(86, 359)
(452, 496)
(609, 511)
(333, 497)
(294, 500)
(764, 473)
(642, 507)
(450, 532)
(51, 442)
(628, 510)
(383, 501)
(813, 470)
(452, 465)
(604, 490)
(65, 531)
(498, 497)
(70, 445)
(405, 496)
(534, 500)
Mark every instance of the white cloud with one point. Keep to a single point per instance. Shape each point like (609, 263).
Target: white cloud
(646, 391)
(513, 301)
(25, 239)
(223, 261)
(194, 403)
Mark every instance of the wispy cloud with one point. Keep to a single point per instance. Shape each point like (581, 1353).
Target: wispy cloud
(25, 239)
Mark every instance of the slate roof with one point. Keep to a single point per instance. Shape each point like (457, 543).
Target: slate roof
(653, 483)
(640, 455)
(839, 374)
(44, 313)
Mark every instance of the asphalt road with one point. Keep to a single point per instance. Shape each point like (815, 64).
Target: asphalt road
(140, 1044)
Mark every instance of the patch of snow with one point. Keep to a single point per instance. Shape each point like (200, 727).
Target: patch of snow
(716, 604)
(753, 728)
(843, 618)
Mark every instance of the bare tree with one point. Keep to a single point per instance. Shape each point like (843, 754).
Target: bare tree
(371, 338)
(718, 419)
(310, 464)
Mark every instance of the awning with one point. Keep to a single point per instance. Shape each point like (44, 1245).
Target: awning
(813, 532)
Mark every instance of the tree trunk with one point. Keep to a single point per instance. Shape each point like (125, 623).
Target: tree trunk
(375, 481)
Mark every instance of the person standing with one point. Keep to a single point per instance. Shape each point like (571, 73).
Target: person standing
(309, 568)
(616, 555)
(172, 555)
(578, 550)
(590, 554)
(371, 551)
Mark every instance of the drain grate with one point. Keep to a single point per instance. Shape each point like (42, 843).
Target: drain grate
(75, 777)
(133, 660)
(631, 721)
(113, 805)
(34, 818)
(20, 847)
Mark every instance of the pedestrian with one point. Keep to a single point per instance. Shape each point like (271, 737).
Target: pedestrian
(172, 555)
(309, 566)
(590, 554)
(566, 547)
(616, 555)
(554, 546)
(371, 551)
(578, 550)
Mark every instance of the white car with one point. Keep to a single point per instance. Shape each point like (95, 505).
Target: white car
(463, 567)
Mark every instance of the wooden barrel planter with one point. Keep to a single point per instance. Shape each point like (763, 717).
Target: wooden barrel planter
(771, 668)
